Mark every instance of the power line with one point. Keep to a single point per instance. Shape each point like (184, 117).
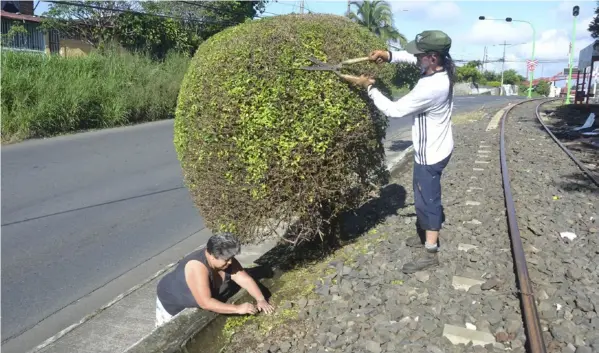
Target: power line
(284, 3)
(208, 7)
(192, 19)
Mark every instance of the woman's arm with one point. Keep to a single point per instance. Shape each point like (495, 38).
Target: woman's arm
(197, 278)
(245, 281)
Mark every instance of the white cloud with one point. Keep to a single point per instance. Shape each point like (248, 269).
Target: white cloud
(563, 11)
(554, 45)
(442, 11)
(551, 45)
(496, 32)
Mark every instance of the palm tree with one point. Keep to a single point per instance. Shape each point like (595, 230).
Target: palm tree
(376, 15)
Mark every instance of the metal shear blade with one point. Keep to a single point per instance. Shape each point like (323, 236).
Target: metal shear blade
(320, 66)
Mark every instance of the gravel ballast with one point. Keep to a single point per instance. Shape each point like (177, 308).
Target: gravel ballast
(358, 300)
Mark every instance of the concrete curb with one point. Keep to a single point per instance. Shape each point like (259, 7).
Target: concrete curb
(400, 159)
(101, 309)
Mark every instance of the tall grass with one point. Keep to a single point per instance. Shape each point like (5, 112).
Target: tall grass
(49, 95)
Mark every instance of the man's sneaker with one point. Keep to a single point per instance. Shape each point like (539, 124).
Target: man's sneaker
(415, 241)
(426, 260)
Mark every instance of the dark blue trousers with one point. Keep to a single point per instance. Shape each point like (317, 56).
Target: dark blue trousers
(427, 194)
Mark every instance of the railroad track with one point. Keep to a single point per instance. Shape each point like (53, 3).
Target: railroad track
(362, 302)
(532, 323)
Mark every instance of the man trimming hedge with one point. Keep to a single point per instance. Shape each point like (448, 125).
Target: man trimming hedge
(429, 104)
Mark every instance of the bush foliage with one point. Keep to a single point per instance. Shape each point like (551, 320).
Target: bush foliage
(260, 140)
(49, 95)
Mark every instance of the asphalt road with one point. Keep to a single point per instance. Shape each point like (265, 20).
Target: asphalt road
(80, 212)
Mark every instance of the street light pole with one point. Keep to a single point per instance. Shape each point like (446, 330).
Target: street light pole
(534, 36)
(502, 69)
(575, 11)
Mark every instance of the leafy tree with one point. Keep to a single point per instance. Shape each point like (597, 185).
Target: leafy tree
(94, 25)
(469, 72)
(491, 76)
(542, 88)
(156, 36)
(377, 16)
(150, 26)
(14, 31)
(511, 77)
(215, 15)
(594, 25)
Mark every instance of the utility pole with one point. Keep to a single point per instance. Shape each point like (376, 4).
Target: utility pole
(301, 7)
(348, 6)
(502, 67)
(575, 11)
(485, 59)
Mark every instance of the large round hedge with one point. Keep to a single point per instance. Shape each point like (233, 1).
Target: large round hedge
(262, 142)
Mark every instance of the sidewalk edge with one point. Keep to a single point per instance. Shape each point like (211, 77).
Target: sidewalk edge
(88, 317)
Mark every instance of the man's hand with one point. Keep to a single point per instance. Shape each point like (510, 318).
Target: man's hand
(246, 308)
(379, 56)
(362, 81)
(264, 306)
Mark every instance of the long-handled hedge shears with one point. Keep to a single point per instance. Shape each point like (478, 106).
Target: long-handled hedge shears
(336, 68)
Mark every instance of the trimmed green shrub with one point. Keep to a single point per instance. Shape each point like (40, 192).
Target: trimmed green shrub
(49, 95)
(262, 142)
(494, 83)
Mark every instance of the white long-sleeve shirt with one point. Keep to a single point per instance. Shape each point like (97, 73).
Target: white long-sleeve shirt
(430, 106)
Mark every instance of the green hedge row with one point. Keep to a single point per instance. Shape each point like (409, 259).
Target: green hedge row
(49, 95)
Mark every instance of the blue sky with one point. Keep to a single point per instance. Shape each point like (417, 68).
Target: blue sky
(459, 19)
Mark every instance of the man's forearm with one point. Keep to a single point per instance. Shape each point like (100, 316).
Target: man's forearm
(396, 57)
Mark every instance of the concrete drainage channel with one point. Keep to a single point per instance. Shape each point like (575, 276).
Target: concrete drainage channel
(194, 331)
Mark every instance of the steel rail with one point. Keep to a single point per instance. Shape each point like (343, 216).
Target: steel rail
(584, 169)
(534, 335)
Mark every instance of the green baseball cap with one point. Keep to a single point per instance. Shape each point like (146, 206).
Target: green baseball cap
(429, 41)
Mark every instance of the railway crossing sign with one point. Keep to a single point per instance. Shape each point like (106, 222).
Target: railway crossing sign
(531, 64)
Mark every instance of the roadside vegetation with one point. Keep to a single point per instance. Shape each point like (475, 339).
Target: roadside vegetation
(472, 72)
(48, 95)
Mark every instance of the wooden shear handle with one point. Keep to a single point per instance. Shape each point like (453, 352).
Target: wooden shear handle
(356, 60)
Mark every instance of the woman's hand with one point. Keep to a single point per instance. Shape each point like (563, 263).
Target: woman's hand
(246, 308)
(264, 306)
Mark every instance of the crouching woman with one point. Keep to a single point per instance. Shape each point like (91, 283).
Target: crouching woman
(200, 279)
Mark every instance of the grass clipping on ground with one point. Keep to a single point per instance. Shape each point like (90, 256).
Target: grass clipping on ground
(292, 287)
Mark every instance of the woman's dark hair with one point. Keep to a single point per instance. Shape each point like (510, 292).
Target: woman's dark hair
(223, 246)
